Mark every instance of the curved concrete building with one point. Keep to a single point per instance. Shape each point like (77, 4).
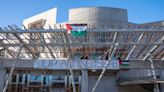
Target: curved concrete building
(99, 16)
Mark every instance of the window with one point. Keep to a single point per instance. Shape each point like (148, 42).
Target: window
(39, 24)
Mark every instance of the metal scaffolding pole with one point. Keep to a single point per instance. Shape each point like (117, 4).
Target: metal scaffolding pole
(12, 69)
(153, 49)
(78, 44)
(72, 77)
(70, 67)
(140, 37)
(96, 30)
(104, 69)
(156, 86)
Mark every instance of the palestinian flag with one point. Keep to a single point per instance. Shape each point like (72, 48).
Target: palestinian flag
(123, 62)
(76, 29)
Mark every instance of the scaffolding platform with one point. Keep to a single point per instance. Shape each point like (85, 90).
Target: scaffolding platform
(145, 81)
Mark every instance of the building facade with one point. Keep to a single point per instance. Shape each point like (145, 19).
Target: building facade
(99, 16)
(113, 56)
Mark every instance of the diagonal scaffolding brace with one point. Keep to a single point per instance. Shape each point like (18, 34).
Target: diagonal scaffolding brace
(153, 49)
(134, 46)
(104, 69)
(12, 69)
(156, 86)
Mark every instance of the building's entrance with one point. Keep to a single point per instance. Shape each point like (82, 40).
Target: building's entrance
(36, 81)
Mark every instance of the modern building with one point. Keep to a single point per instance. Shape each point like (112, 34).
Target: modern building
(99, 16)
(114, 55)
(47, 19)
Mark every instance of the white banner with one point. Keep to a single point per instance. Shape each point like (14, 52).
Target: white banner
(75, 64)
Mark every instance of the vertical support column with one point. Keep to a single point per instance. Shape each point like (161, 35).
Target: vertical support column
(162, 76)
(84, 80)
(2, 78)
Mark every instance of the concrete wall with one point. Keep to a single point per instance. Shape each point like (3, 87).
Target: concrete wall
(2, 78)
(131, 88)
(19, 64)
(49, 16)
(162, 85)
(136, 69)
(141, 69)
(108, 84)
(30, 63)
(84, 80)
(146, 64)
(98, 16)
(60, 64)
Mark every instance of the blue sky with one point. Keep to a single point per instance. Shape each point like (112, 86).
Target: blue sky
(139, 11)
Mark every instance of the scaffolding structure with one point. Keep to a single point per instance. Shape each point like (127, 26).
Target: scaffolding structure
(97, 44)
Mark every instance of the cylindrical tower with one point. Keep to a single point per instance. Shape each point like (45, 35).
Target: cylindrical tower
(99, 16)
